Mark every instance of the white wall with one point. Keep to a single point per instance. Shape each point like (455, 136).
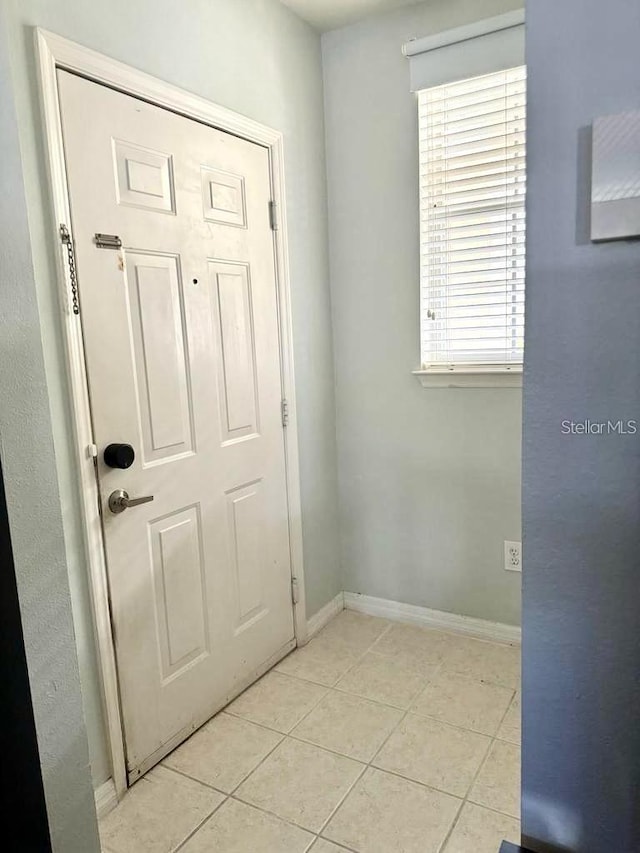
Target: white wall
(255, 57)
(429, 479)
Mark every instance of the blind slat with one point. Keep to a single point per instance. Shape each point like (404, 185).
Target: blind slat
(472, 219)
(474, 298)
(510, 203)
(482, 219)
(474, 231)
(473, 250)
(477, 133)
(448, 125)
(488, 191)
(515, 141)
(453, 173)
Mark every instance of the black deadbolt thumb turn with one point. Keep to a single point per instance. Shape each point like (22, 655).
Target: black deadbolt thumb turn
(119, 455)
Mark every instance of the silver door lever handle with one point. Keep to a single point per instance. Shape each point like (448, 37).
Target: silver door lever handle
(120, 500)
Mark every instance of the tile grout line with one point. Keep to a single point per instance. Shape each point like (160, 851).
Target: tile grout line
(360, 657)
(195, 779)
(270, 728)
(327, 841)
(341, 800)
(369, 764)
(278, 817)
(227, 797)
(466, 799)
(372, 650)
(199, 826)
(517, 743)
(244, 779)
(327, 688)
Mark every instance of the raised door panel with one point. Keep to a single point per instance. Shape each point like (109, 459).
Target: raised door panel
(223, 197)
(249, 551)
(160, 356)
(144, 178)
(237, 370)
(180, 590)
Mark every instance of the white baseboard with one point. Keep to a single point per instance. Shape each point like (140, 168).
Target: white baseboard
(325, 614)
(479, 628)
(106, 798)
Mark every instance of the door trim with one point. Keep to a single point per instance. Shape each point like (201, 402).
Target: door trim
(55, 52)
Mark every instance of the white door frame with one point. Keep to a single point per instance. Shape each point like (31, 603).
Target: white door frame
(56, 52)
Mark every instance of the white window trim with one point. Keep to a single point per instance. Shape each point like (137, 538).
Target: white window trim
(471, 376)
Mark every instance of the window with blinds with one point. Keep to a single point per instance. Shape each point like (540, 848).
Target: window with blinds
(472, 222)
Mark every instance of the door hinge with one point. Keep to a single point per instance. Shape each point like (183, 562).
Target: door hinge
(295, 590)
(273, 215)
(67, 240)
(284, 408)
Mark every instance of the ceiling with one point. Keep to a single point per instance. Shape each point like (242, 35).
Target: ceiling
(330, 14)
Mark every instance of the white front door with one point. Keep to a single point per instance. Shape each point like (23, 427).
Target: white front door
(183, 362)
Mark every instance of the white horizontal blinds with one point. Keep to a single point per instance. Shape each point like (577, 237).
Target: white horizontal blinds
(472, 220)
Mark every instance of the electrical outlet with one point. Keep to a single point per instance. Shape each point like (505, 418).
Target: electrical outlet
(513, 556)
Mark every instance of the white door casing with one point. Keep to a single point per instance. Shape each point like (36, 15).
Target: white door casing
(182, 349)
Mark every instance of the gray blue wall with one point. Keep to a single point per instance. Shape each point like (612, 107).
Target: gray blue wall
(429, 479)
(255, 57)
(581, 510)
(33, 500)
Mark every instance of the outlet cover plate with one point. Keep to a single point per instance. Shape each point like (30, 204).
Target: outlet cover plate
(512, 556)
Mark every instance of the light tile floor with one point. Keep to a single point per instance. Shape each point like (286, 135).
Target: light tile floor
(376, 737)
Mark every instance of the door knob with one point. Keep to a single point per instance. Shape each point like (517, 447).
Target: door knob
(120, 500)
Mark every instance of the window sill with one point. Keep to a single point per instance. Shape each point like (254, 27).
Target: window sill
(474, 376)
